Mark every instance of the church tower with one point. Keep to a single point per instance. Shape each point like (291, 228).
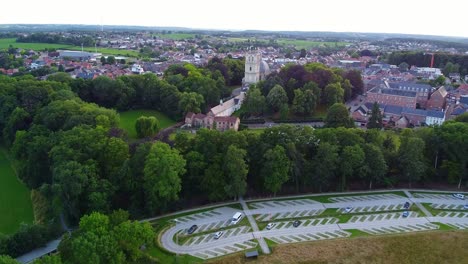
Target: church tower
(252, 67)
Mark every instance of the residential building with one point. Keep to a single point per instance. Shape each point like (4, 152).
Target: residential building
(392, 97)
(437, 99)
(422, 90)
(435, 117)
(221, 123)
(228, 107)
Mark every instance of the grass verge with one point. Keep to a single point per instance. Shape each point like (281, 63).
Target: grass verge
(428, 248)
(15, 200)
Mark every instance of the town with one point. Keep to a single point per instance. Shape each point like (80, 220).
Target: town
(129, 144)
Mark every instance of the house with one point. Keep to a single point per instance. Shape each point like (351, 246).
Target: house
(435, 117)
(221, 123)
(422, 90)
(437, 99)
(402, 122)
(382, 95)
(454, 76)
(360, 115)
(228, 107)
(416, 117)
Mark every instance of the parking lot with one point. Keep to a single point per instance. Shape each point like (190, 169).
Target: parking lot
(374, 214)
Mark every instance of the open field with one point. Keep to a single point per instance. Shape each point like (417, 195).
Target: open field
(176, 36)
(15, 200)
(307, 44)
(5, 43)
(128, 119)
(429, 247)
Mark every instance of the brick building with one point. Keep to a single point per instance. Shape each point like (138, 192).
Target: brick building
(392, 97)
(437, 100)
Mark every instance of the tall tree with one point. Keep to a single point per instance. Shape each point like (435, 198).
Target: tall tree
(163, 168)
(375, 166)
(304, 101)
(411, 159)
(254, 102)
(375, 120)
(276, 167)
(338, 116)
(190, 102)
(333, 93)
(236, 171)
(351, 161)
(276, 98)
(324, 165)
(146, 126)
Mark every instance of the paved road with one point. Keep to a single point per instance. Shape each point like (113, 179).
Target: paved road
(371, 222)
(253, 223)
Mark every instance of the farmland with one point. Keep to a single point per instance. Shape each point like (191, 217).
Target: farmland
(297, 43)
(176, 36)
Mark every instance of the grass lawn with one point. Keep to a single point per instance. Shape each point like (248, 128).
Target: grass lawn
(423, 247)
(128, 119)
(15, 199)
(108, 51)
(5, 43)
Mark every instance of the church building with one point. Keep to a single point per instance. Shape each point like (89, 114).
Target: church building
(255, 68)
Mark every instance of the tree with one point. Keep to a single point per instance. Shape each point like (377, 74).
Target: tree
(163, 169)
(375, 166)
(276, 98)
(411, 159)
(322, 168)
(403, 66)
(276, 167)
(333, 93)
(19, 120)
(111, 60)
(355, 78)
(146, 126)
(304, 102)
(351, 161)
(236, 170)
(375, 120)
(52, 259)
(338, 116)
(254, 102)
(190, 102)
(5, 259)
(103, 60)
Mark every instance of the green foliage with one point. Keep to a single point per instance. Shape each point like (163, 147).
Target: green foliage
(190, 102)
(163, 169)
(375, 120)
(338, 116)
(333, 93)
(146, 126)
(275, 168)
(236, 171)
(128, 120)
(51, 259)
(100, 239)
(5, 259)
(254, 102)
(276, 98)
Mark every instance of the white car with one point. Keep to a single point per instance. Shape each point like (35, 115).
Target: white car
(270, 226)
(348, 209)
(218, 234)
(465, 207)
(459, 196)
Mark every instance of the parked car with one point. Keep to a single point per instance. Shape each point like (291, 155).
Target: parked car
(270, 226)
(465, 207)
(296, 223)
(407, 205)
(218, 234)
(192, 229)
(405, 214)
(348, 209)
(459, 196)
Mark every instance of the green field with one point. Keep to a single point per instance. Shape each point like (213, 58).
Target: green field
(5, 43)
(307, 44)
(299, 44)
(176, 36)
(15, 200)
(128, 119)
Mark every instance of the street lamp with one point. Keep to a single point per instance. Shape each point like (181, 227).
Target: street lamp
(177, 238)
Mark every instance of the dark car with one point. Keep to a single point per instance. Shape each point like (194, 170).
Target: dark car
(192, 229)
(296, 223)
(407, 205)
(405, 214)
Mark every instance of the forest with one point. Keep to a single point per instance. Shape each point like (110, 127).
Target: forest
(63, 136)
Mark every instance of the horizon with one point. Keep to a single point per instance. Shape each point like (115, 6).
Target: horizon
(359, 16)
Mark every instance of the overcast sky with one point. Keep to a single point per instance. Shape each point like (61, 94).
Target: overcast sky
(448, 17)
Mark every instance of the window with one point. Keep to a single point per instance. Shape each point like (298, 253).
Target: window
(251, 68)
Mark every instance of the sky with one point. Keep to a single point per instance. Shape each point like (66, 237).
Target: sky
(428, 17)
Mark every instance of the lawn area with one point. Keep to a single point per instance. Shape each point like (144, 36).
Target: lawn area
(426, 247)
(15, 199)
(128, 119)
(6, 42)
(108, 51)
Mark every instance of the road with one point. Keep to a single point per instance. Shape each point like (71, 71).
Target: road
(253, 223)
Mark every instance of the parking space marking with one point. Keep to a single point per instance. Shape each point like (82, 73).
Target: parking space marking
(282, 203)
(400, 228)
